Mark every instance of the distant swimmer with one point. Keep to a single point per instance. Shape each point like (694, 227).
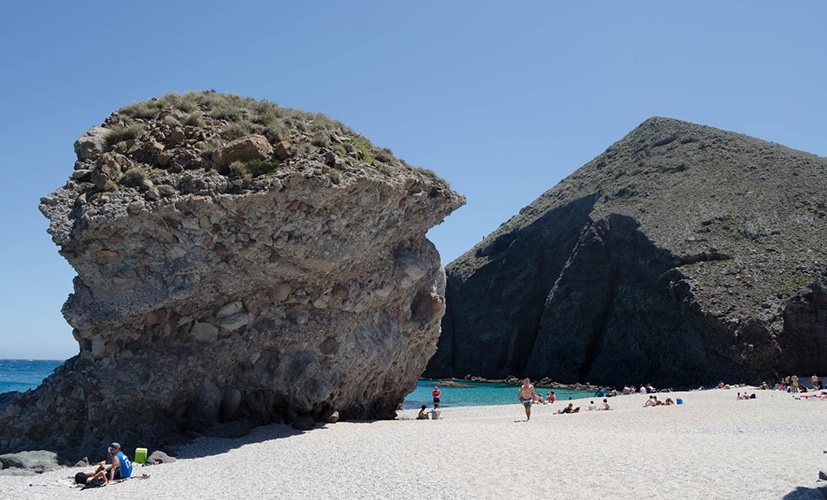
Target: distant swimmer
(526, 395)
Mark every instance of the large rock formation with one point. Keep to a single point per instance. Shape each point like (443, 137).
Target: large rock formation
(237, 262)
(681, 255)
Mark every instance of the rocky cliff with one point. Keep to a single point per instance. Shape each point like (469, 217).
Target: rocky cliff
(681, 255)
(238, 263)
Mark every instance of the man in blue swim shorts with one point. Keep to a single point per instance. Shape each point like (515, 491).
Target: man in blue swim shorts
(526, 395)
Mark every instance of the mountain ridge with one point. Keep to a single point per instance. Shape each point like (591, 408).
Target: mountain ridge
(740, 220)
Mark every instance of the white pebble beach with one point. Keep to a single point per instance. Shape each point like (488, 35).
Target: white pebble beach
(712, 446)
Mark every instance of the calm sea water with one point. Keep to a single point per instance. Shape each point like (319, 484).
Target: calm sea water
(479, 394)
(24, 374)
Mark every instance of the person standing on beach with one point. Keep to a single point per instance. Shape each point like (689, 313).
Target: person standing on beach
(526, 395)
(436, 393)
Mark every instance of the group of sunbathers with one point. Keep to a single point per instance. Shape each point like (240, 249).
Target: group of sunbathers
(644, 389)
(654, 401)
(434, 414)
(120, 468)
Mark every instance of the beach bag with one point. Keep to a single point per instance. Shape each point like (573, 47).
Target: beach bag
(680, 401)
(95, 483)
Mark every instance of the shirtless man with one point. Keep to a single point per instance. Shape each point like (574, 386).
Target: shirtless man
(526, 395)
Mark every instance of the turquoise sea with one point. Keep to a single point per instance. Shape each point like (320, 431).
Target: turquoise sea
(478, 394)
(23, 374)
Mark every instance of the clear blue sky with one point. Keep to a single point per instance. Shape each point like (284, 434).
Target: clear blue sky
(503, 100)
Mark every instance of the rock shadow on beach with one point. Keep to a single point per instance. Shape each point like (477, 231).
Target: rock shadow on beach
(804, 493)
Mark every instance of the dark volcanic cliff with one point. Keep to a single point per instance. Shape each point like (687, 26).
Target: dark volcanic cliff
(681, 255)
(238, 263)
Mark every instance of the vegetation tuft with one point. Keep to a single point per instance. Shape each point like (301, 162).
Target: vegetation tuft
(132, 177)
(118, 133)
(260, 167)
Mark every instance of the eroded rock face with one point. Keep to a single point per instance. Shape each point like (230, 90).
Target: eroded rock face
(681, 256)
(237, 298)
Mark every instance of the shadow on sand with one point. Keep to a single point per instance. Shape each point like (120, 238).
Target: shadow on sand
(803, 493)
(204, 446)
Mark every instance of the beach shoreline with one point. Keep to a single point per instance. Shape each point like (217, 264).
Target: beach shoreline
(712, 446)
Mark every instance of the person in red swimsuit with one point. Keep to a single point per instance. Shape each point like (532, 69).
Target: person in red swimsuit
(436, 395)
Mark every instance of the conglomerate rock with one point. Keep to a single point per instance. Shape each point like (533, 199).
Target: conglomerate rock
(681, 255)
(251, 291)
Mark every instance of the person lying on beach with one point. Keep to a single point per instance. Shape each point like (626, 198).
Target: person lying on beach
(423, 415)
(568, 409)
(668, 402)
(86, 478)
(650, 402)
